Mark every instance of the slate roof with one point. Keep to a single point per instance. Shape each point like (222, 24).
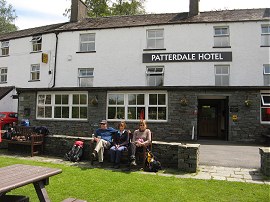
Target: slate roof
(240, 15)
(5, 90)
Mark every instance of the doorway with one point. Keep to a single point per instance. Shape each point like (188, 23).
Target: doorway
(213, 119)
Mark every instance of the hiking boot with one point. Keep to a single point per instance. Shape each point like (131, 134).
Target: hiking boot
(117, 166)
(100, 165)
(93, 156)
(133, 163)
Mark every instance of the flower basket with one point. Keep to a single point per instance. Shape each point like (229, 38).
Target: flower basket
(247, 103)
(184, 102)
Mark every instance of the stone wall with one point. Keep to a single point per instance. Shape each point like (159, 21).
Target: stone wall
(265, 160)
(181, 119)
(171, 155)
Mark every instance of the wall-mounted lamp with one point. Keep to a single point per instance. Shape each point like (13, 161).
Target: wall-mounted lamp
(94, 101)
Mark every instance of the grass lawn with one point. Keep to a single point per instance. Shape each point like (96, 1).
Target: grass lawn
(93, 184)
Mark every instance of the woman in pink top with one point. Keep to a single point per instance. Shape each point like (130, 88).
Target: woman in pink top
(141, 138)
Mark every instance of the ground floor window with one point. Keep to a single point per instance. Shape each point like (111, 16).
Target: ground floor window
(137, 105)
(265, 108)
(62, 105)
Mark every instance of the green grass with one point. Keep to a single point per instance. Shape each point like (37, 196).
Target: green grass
(93, 184)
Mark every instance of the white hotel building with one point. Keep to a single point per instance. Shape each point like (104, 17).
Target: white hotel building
(191, 75)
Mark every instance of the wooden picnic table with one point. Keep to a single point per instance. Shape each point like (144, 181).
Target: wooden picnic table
(18, 175)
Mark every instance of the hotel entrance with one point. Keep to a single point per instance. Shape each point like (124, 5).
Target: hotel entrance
(213, 118)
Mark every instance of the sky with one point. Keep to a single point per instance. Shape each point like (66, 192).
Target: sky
(35, 13)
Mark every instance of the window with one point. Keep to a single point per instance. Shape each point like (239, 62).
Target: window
(266, 74)
(36, 43)
(155, 39)
(86, 77)
(221, 75)
(136, 106)
(155, 76)
(3, 74)
(4, 48)
(265, 108)
(221, 37)
(62, 106)
(265, 40)
(35, 72)
(87, 42)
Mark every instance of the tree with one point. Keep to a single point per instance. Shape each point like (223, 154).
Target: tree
(7, 17)
(128, 7)
(101, 8)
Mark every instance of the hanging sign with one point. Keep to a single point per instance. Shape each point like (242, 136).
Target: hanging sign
(44, 58)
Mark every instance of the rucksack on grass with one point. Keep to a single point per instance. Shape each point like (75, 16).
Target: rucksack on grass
(151, 163)
(76, 152)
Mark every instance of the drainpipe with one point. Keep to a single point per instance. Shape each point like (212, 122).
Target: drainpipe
(55, 59)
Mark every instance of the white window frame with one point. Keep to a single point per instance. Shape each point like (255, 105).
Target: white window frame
(35, 72)
(266, 74)
(155, 76)
(36, 43)
(88, 45)
(155, 39)
(4, 48)
(222, 39)
(139, 107)
(222, 75)
(265, 35)
(3, 74)
(85, 76)
(49, 104)
(264, 106)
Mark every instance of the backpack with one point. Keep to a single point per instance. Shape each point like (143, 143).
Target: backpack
(76, 152)
(42, 130)
(151, 163)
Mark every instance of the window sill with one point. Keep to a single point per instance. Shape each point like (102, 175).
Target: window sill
(33, 80)
(154, 49)
(221, 46)
(265, 46)
(4, 55)
(3, 82)
(86, 52)
(35, 51)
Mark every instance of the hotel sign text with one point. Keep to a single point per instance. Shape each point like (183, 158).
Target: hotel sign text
(188, 57)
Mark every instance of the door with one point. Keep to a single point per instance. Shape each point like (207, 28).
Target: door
(208, 118)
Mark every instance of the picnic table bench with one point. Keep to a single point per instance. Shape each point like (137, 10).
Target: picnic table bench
(18, 175)
(26, 136)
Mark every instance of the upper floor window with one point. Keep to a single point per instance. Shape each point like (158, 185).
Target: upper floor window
(221, 37)
(86, 77)
(155, 76)
(136, 106)
(265, 108)
(87, 42)
(36, 43)
(222, 75)
(5, 48)
(266, 74)
(35, 72)
(62, 106)
(155, 39)
(265, 39)
(3, 74)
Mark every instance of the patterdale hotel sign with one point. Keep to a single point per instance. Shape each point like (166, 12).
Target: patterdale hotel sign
(188, 57)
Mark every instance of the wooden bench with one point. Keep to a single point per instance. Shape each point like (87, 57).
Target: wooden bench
(26, 136)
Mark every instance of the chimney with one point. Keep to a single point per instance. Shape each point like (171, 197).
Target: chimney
(78, 11)
(193, 7)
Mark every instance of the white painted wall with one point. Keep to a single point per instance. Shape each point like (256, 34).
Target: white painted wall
(118, 57)
(7, 104)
